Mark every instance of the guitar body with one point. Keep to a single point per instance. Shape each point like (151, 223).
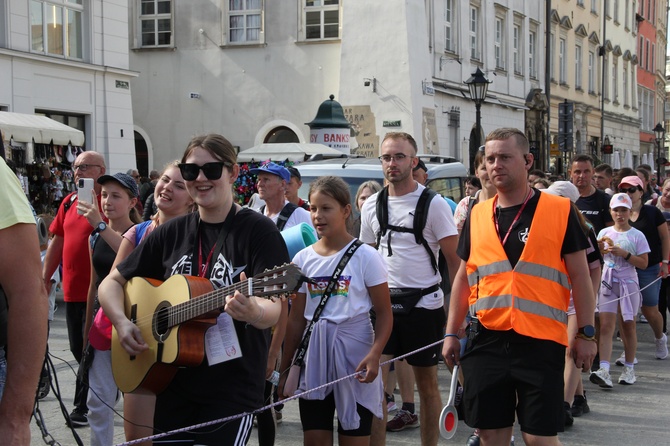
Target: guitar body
(181, 345)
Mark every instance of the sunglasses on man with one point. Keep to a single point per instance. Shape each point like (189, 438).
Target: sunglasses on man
(212, 171)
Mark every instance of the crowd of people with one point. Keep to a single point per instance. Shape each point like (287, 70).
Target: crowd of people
(541, 271)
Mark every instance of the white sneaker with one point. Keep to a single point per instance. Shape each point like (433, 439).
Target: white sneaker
(628, 376)
(602, 378)
(622, 359)
(662, 347)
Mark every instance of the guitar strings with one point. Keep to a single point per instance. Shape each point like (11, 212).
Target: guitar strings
(186, 307)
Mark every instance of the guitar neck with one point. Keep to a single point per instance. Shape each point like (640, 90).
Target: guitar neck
(194, 308)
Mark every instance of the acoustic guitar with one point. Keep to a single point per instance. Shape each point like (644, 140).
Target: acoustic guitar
(170, 318)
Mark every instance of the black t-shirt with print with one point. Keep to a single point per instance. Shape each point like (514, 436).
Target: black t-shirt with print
(252, 245)
(574, 239)
(595, 208)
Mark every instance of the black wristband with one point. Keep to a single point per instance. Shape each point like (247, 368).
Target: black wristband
(627, 257)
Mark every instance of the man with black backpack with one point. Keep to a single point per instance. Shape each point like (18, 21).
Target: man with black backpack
(592, 203)
(409, 227)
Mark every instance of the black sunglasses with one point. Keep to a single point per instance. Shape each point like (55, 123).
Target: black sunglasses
(212, 171)
(630, 190)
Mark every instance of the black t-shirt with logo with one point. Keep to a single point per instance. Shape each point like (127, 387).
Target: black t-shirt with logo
(573, 241)
(596, 209)
(252, 245)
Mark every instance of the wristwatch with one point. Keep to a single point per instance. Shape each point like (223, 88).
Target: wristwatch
(101, 227)
(587, 332)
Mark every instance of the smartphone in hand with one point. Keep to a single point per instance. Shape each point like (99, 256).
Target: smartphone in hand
(84, 190)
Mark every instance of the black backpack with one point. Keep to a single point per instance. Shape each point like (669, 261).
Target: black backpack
(283, 215)
(420, 217)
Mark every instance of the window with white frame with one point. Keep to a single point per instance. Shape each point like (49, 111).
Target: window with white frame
(594, 6)
(647, 58)
(321, 19)
(578, 66)
(580, 3)
(625, 14)
(606, 83)
(450, 30)
(532, 48)
(516, 49)
(615, 80)
(633, 91)
(562, 62)
(57, 27)
(499, 43)
(592, 72)
(606, 8)
(156, 24)
(245, 21)
(474, 32)
(652, 53)
(624, 78)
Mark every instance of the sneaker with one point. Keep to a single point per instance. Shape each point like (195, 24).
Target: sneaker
(403, 420)
(628, 376)
(602, 378)
(391, 406)
(78, 418)
(642, 319)
(580, 406)
(662, 347)
(569, 419)
(621, 360)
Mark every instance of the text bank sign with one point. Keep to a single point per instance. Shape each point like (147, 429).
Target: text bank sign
(334, 138)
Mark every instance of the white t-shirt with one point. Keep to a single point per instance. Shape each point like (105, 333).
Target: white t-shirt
(409, 266)
(298, 216)
(350, 296)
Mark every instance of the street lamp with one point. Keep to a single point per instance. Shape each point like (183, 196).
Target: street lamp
(478, 85)
(660, 136)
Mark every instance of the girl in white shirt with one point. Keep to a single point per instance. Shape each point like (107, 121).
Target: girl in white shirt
(343, 340)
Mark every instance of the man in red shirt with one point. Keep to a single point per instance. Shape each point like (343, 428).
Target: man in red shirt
(70, 244)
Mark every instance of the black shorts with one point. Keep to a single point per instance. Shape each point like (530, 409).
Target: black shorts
(318, 415)
(417, 329)
(505, 367)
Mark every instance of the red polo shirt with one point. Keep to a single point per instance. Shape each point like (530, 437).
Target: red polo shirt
(75, 231)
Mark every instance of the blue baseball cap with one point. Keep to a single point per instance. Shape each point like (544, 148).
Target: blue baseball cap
(124, 180)
(274, 169)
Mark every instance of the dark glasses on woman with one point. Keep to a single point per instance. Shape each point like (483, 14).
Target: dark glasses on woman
(630, 190)
(212, 171)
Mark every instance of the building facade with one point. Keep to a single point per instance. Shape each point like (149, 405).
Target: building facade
(68, 60)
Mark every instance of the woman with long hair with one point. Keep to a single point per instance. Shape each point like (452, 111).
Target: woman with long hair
(223, 244)
(172, 200)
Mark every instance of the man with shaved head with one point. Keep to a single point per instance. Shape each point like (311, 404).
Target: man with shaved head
(70, 244)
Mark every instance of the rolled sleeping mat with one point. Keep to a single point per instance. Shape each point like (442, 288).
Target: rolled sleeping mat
(298, 237)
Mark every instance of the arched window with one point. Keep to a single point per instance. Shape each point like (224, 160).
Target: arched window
(280, 135)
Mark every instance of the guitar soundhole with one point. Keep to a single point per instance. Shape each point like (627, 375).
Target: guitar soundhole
(161, 322)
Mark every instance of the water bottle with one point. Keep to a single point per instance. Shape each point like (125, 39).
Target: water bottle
(274, 378)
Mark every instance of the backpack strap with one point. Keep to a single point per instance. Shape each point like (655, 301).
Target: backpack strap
(68, 204)
(284, 215)
(140, 230)
(420, 218)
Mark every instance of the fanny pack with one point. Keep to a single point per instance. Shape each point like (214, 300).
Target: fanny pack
(403, 300)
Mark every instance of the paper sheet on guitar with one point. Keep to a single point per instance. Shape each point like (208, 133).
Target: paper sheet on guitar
(221, 343)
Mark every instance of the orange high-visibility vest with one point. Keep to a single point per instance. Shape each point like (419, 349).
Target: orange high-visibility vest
(531, 299)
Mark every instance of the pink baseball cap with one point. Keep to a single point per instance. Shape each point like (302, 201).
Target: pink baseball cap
(632, 180)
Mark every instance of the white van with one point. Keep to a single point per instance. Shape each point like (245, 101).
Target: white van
(445, 174)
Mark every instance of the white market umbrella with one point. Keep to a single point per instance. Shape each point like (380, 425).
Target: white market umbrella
(644, 159)
(628, 159)
(616, 160)
(650, 161)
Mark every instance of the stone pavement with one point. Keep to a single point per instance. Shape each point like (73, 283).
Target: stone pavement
(624, 415)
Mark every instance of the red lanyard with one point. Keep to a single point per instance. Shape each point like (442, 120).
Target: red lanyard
(518, 214)
(204, 266)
